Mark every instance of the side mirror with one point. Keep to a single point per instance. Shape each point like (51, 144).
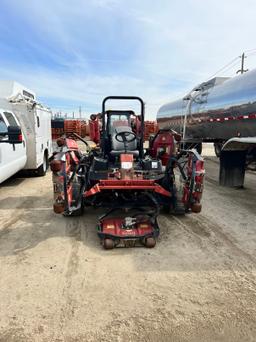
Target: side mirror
(14, 135)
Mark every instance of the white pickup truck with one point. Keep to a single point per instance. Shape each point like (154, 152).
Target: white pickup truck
(28, 146)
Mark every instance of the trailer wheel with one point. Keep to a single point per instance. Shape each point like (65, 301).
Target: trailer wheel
(217, 149)
(41, 171)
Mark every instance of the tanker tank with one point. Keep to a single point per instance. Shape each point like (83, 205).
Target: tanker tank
(214, 111)
(223, 111)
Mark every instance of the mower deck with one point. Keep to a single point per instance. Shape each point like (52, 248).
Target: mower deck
(114, 232)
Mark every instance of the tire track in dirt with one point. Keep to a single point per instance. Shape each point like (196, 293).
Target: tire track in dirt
(219, 233)
(201, 228)
(185, 224)
(70, 301)
(5, 226)
(239, 263)
(10, 222)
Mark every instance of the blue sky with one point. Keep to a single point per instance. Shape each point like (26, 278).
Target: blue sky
(76, 52)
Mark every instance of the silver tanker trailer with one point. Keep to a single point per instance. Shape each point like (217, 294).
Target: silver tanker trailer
(223, 111)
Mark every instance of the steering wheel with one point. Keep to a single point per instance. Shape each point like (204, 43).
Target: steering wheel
(124, 136)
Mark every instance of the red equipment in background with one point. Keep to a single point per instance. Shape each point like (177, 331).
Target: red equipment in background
(57, 133)
(67, 126)
(84, 129)
(94, 127)
(150, 127)
(72, 126)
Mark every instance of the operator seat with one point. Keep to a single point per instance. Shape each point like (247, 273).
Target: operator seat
(119, 147)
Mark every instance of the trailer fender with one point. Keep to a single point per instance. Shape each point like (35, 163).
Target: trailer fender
(233, 161)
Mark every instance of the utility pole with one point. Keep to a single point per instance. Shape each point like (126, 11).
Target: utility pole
(242, 70)
(80, 112)
(73, 115)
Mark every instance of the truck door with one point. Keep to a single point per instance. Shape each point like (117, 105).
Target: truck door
(43, 134)
(39, 137)
(12, 156)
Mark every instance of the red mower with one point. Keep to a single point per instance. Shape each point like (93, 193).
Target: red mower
(132, 182)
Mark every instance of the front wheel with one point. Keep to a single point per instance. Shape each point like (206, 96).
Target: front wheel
(41, 171)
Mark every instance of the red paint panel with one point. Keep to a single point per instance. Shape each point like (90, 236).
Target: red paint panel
(127, 185)
(113, 226)
(71, 144)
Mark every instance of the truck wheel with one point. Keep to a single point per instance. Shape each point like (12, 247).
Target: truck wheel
(217, 149)
(41, 171)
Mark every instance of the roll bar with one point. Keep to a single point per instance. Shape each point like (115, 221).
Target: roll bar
(142, 114)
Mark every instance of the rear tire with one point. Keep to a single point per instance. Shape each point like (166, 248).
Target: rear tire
(217, 149)
(41, 171)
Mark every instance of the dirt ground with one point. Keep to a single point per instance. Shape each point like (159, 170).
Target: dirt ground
(197, 284)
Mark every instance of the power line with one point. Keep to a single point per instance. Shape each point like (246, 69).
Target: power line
(251, 54)
(248, 51)
(237, 62)
(224, 67)
(233, 62)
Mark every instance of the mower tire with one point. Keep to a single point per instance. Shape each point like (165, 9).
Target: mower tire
(108, 243)
(150, 242)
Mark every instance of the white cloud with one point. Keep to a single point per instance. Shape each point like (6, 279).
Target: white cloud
(156, 50)
(88, 91)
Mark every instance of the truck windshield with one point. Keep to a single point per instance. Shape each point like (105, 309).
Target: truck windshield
(11, 119)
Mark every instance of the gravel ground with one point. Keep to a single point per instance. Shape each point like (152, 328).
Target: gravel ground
(197, 284)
